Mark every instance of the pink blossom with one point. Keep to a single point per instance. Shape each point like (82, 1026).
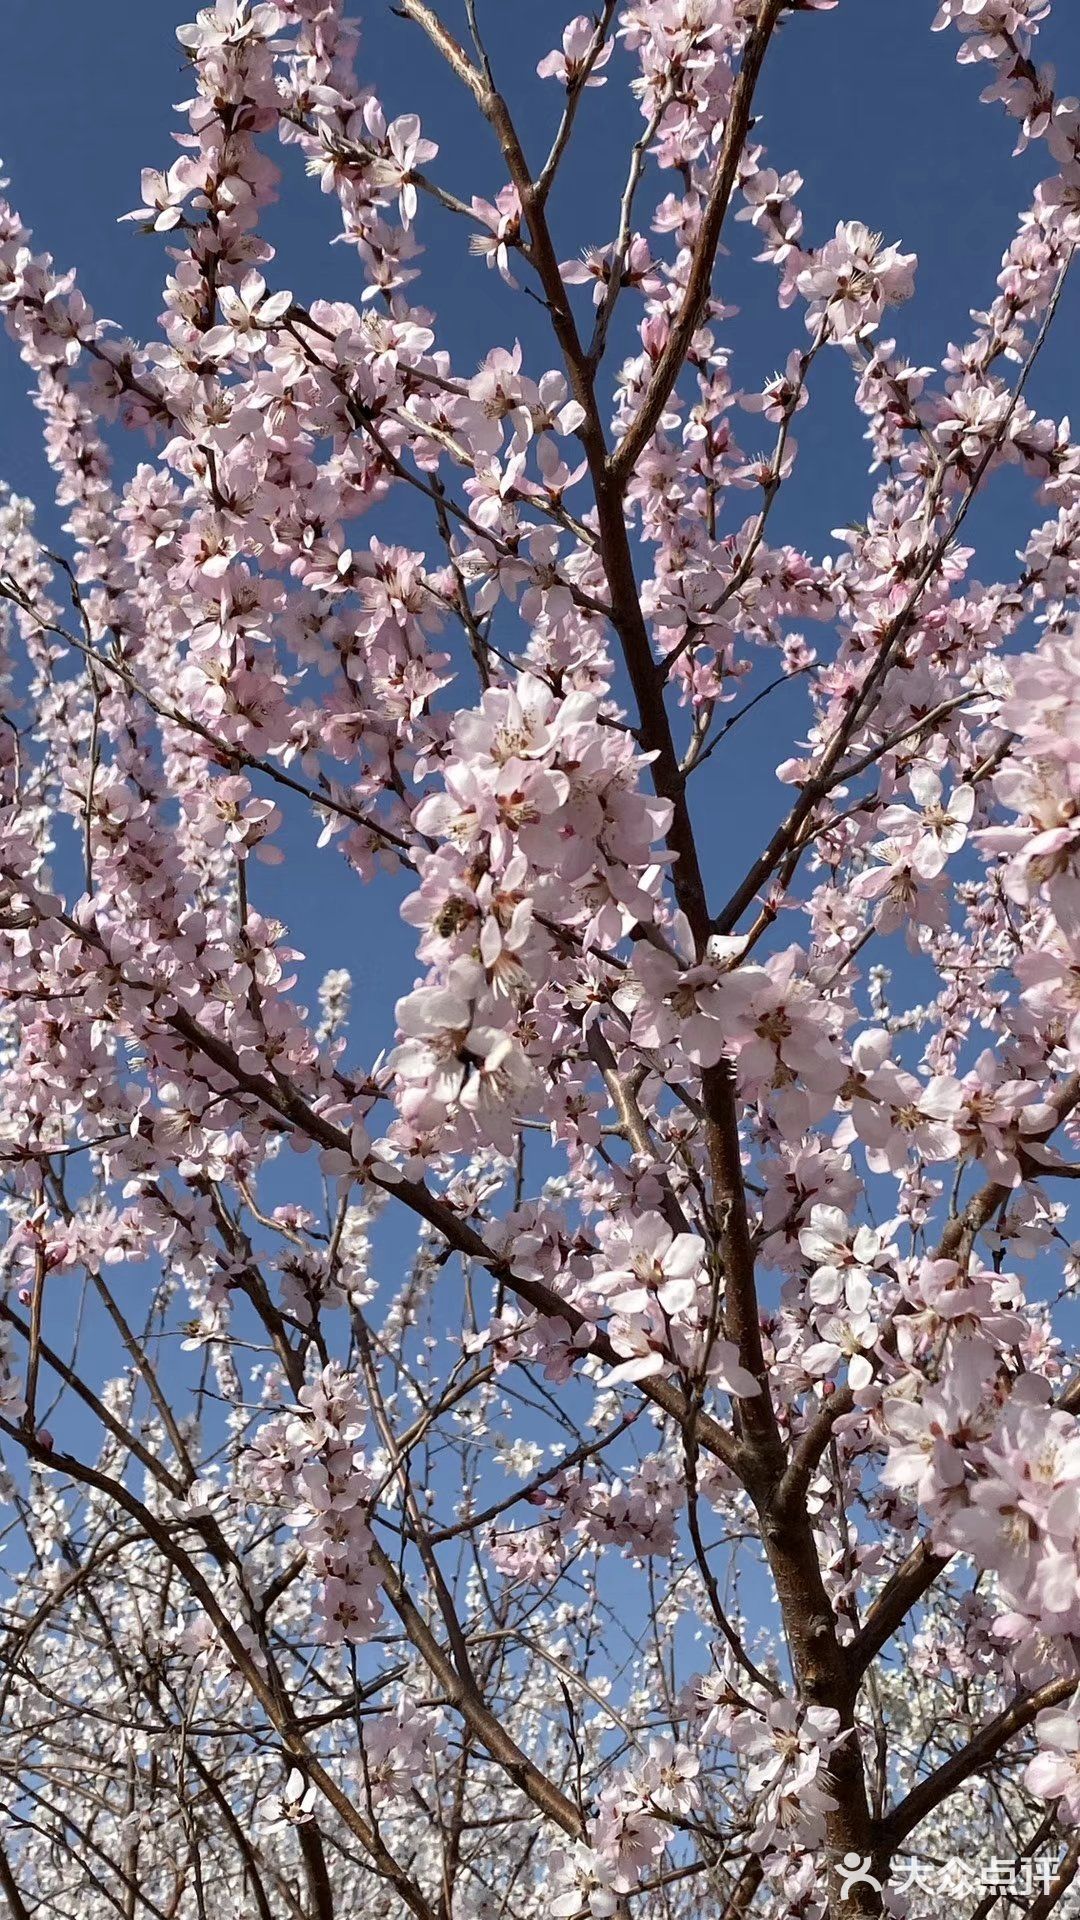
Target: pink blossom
(1054, 1774)
(250, 315)
(853, 278)
(569, 64)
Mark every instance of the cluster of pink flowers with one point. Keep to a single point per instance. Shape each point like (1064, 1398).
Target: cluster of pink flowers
(639, 1808)
(658, 1288)
(308, 1464)
(531, 784)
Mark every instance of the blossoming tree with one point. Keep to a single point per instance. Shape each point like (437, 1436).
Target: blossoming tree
(614, 1450)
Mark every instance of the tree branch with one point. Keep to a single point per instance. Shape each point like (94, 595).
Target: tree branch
(699, 280)
(978, 1752)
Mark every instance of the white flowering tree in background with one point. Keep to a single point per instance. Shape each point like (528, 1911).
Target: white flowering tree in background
(607, 1446)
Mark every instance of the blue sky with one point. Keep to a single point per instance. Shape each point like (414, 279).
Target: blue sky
(866, 102)
(863, 100)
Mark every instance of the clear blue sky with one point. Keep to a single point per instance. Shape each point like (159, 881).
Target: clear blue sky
(865, 101)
